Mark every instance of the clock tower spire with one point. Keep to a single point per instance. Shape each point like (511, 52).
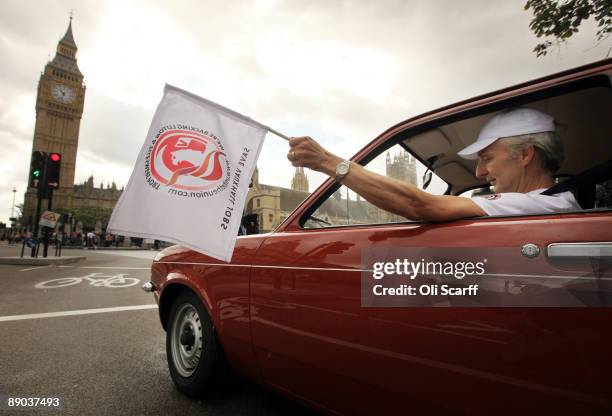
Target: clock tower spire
(59, 107)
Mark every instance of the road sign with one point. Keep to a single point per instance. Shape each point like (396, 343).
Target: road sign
(49, 219)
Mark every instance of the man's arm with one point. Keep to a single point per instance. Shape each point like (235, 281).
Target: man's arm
(384, 192)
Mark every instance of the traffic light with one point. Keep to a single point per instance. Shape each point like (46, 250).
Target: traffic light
(54, 163)
(37, 168)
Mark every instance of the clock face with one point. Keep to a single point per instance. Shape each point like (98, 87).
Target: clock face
(63, 94)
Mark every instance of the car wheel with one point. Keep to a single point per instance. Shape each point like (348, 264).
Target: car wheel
(190, 345)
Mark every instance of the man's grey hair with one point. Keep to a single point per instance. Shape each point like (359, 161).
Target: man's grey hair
(547, 144)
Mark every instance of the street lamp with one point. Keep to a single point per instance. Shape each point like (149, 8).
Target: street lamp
(13, 207)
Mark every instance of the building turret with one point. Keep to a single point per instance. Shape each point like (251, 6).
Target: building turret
(299, 181)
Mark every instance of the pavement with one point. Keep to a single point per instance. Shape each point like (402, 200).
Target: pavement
(110, 248)
(28, 260)
(40, 261)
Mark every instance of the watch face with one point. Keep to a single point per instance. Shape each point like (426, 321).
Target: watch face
(63, 94)
(342, 168)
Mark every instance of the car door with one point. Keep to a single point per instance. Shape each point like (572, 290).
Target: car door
(493, 357)
(315, 340)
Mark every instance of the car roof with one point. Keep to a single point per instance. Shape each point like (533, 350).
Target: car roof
(580, 100)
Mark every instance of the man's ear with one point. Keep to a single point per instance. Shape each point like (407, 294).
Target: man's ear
(528, 153)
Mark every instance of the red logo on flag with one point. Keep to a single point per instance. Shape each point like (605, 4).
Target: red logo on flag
(187, 160)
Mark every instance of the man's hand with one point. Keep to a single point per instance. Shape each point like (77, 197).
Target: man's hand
(306, 152)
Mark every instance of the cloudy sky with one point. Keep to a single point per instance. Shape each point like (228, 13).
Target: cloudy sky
(340, 71)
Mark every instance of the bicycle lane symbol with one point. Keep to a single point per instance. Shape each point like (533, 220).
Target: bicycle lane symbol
(94, 279)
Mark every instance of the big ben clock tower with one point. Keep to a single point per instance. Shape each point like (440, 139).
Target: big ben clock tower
(59, 106)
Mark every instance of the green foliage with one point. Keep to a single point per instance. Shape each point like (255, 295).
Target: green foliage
(560, 19)
(89, 216)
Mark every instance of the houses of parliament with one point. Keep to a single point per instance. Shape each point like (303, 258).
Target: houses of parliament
(59, 109)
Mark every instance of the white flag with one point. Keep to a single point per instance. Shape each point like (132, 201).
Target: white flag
(192, 176)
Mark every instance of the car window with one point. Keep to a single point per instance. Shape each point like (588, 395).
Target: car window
(345, 207)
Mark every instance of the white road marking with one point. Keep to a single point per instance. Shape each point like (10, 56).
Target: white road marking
(95, 279)
(115, 267)
(77, 312)
(34, 268)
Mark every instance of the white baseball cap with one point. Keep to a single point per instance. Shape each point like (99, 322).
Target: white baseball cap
(509, 123)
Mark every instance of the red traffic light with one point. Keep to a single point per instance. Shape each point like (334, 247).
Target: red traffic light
(52, 177)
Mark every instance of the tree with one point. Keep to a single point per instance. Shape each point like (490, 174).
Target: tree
(89, 216)
(562, 18)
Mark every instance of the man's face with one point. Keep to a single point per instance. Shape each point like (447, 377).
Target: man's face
(500, 167)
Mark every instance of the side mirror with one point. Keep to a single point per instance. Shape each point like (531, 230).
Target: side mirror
(249, 224)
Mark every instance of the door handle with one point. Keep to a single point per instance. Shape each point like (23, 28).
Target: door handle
(578, 250)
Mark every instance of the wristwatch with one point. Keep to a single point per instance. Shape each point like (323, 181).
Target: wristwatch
(342, 169)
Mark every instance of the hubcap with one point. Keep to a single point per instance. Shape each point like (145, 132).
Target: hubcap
(186, 341)
(187, 338)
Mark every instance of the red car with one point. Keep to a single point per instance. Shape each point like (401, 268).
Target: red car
(288, 312)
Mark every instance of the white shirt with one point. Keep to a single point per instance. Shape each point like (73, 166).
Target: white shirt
(514, 203)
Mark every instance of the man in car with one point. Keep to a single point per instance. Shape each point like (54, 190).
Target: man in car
(517, 151)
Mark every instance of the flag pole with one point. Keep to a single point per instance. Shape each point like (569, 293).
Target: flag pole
(281, 135)
(202, 99)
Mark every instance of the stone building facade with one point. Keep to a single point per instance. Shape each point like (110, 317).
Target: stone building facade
(270, 205)
(87, 195)
(59, 107)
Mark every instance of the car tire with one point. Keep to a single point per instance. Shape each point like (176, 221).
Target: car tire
(191, 347)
